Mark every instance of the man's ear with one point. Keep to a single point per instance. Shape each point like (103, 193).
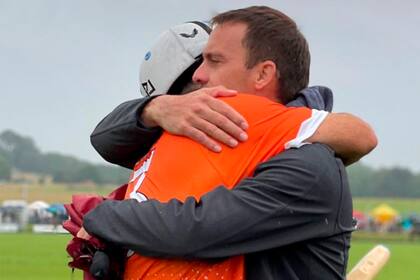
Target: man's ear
(266, 74)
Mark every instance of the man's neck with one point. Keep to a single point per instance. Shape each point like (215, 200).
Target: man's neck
(272, 95)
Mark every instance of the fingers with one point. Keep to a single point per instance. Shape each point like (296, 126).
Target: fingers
(82, 234)
(200, 137)
(221, 92)
(235, 122)
(221, 128)
(214, 126)
(225, 109)
(221, 121)
(217, 121)
(202, 117)
(212, 131)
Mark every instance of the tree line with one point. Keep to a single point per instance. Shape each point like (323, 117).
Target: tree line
(20, 153)
(383, 182)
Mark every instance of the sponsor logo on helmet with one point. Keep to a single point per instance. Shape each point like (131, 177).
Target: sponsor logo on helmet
(192, 35)
(148, 55)
(148, 87)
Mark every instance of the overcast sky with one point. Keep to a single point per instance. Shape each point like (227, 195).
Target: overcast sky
(65, 64)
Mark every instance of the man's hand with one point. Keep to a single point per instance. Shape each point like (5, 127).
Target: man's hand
(198, 115)
(83, 234)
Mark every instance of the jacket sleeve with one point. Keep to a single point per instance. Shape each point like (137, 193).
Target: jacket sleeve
(293, 197)
(121, 138)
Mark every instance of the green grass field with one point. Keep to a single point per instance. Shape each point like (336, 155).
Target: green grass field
(403, 263)
(32, 256)
(403, 206)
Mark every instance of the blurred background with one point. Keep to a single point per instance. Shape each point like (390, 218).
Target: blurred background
(65, 64)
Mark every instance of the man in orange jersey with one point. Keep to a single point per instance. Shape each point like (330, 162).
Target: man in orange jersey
(292, 220)
(177, 167)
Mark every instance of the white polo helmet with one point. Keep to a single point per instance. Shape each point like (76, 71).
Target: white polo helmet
(177, 50)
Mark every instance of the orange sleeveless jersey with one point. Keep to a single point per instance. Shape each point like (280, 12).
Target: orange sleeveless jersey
(177, 167)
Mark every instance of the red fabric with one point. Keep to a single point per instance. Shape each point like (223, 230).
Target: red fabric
(81, 251)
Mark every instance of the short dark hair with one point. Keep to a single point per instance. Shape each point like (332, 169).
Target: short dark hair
(272, 35)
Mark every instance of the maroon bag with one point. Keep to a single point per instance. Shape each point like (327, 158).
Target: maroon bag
(82, 251)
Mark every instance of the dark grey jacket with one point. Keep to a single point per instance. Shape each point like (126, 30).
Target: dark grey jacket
(293, 219)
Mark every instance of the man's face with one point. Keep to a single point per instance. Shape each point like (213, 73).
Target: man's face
(224, 60)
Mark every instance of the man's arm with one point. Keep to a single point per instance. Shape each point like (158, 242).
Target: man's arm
(121, 138)
(124, 135)
(128, 132)
(298, 195)
(350, 137)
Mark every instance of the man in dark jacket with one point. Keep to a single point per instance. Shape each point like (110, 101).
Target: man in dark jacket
(295, 213)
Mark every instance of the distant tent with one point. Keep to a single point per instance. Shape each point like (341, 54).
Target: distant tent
(15, 203)
(38, 212)
(384, 214)
(14, 212)
(38, 205)
(57, 209)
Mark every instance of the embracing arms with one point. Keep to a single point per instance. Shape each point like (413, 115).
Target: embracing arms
(123, 136)
(291, 198)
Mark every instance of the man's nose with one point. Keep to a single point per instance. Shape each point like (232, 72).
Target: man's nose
(200, 75)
